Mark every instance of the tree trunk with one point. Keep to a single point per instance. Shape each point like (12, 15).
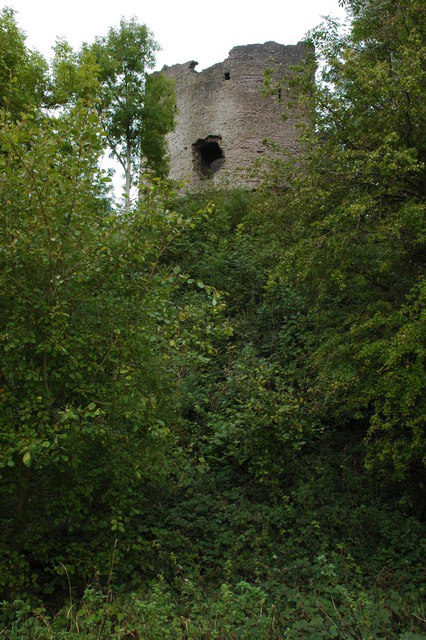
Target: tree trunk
(128, 174)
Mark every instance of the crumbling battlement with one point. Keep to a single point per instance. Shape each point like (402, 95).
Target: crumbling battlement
(222, 117)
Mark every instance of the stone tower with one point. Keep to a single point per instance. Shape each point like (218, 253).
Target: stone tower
(222, 117)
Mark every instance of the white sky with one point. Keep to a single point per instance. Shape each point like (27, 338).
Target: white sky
(185, 29)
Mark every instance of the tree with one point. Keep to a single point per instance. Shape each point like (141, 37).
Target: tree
(137, 107)
(137, 112)
(356, 202)
(88, 335)
(157, 120)
(23, 73)
(74, 76)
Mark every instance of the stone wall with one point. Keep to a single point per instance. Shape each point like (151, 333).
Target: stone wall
(222, 117)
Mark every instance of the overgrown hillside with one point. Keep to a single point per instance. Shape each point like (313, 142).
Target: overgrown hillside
(211, 405)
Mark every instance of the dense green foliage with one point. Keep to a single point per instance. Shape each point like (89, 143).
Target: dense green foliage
(211, 405)
(23, 73)
(359, 230)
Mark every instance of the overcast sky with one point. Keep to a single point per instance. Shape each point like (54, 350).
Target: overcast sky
(185, 29)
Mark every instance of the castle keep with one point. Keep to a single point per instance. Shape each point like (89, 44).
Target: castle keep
(222, 117)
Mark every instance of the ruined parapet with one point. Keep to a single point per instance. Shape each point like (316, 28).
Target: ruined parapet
(223, 119)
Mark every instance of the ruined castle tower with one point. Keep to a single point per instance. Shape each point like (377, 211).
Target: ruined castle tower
(223, 119)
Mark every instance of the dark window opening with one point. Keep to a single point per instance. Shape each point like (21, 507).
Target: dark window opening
(207, 156)
(227, 75)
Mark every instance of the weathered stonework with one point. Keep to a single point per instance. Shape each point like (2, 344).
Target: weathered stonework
(223, 119)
